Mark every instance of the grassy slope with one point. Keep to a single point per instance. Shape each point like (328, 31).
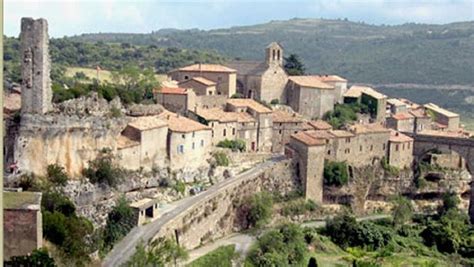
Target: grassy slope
(221, 257)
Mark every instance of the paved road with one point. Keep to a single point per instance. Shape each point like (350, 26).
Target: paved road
(123, 250)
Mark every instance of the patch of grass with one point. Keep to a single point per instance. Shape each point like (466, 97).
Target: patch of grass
(220, 257)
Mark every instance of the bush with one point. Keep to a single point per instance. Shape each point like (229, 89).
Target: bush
(257, 209)
(234, 145)
(115, 112)
(237, 95)
(347, 232)
(335, 173)
(450, 201)
(57, 175)
(298, 207)
(179, 187)
(103, 171)
(285, 246)
(120, 220)
(342, 114)
(221, 159)
(391, 170)
(64, 228)
(402, 211)
(274, 102)
(39, 257)
(160, 252)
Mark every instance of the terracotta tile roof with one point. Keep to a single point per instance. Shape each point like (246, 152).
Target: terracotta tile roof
(368, 128)
(330, 78)
(249, 103)
(125, 142)
(402, 116)
(283, 116)
(320, 125)
(307, 139)
(341, 133)
(178, 123)
(459, 134)
(147, 123)
(204, 81)
(244, 117)
(207, 68)
(357, 90)
(310, 81)
(399, 137)
(320, 134)
(419, 113)
(171, 91)
(440, 110)
(216, 114)
(396, 102)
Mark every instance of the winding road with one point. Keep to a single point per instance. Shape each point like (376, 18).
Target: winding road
(124, 249)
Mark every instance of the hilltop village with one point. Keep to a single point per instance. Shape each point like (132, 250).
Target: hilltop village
(203, 111)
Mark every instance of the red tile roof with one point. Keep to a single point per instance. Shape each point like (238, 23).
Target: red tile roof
(207, 68)
(402, 116)
(307, 139)
(172, 91)
(320, 125)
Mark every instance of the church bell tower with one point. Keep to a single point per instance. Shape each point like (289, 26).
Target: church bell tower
(274, 54)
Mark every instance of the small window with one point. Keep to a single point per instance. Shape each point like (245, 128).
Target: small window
(186, 77)
(181, 149)
(224, 133)
(233, 131)
(383, 146)
(371, 147)
(360, 149)
(396, 148)
(329, 152)
(219, 79)
(403, 146)
(348, 140)
(279, 131)
(210, 92)
(202, 143)
(281, 124)
(183, 136)
(193, 145)
(296, 131)
(212, 133)
(194, 134)
(408, 145)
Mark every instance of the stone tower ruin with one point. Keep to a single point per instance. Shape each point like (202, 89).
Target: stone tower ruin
(36, 94)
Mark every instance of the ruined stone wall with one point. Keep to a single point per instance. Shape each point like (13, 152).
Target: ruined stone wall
(36, 94)
(216, 215)
(22, 232)
(65, 140)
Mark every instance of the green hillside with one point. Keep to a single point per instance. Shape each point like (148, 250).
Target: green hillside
(408, 53)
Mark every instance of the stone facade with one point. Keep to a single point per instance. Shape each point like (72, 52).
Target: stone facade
(178, 100)
(284, 125)
(312, 102)
(225, 78)
(200, 85)
(36, 93)
(22, 223)
(400, 152)
(444, 117)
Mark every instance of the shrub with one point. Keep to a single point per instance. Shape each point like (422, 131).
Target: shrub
(103, 171)
(257, 209)
(115, 112)
(402, 211)
(298, 207)
(342, 114)
(335, 173)
(389, 169)
(285, 246)
(57, 175)
(237, 95)
(450, 201)
(274, 102)
(179, 187)
(39, 257)
(160, 252)
(347, 232)
(221, 159)
(234, 145)
(64, 228)
(120, 220)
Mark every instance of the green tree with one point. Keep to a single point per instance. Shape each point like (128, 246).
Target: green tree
(257, 209)
(402, 211)
(103, 170)
(294, 65)
(120, 220)
(57, 175)
(335, 173)
(450, 201)
(39, 257)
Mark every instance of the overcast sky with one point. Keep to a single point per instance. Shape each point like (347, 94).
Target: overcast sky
(71, 17)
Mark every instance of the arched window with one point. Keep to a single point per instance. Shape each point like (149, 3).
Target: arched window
(274, 55)
(278, 53)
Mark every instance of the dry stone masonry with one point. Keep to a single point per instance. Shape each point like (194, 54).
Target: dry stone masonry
(35, 67)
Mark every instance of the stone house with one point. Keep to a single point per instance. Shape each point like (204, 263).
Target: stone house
(371, 141)
(309, 96)
(400, 152)
(145, 210)
(224, 77)
(319, 125)
(444, 117)
(188, 141)
(422, 120)
(263, 119)
(178, 100)
(375, 101)
(264, 81)
(200, 85)
(22, 223)
(224, 125)
(396, 106)
(402, 121)
(284, 125)
(308, 153)
(143, 143)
